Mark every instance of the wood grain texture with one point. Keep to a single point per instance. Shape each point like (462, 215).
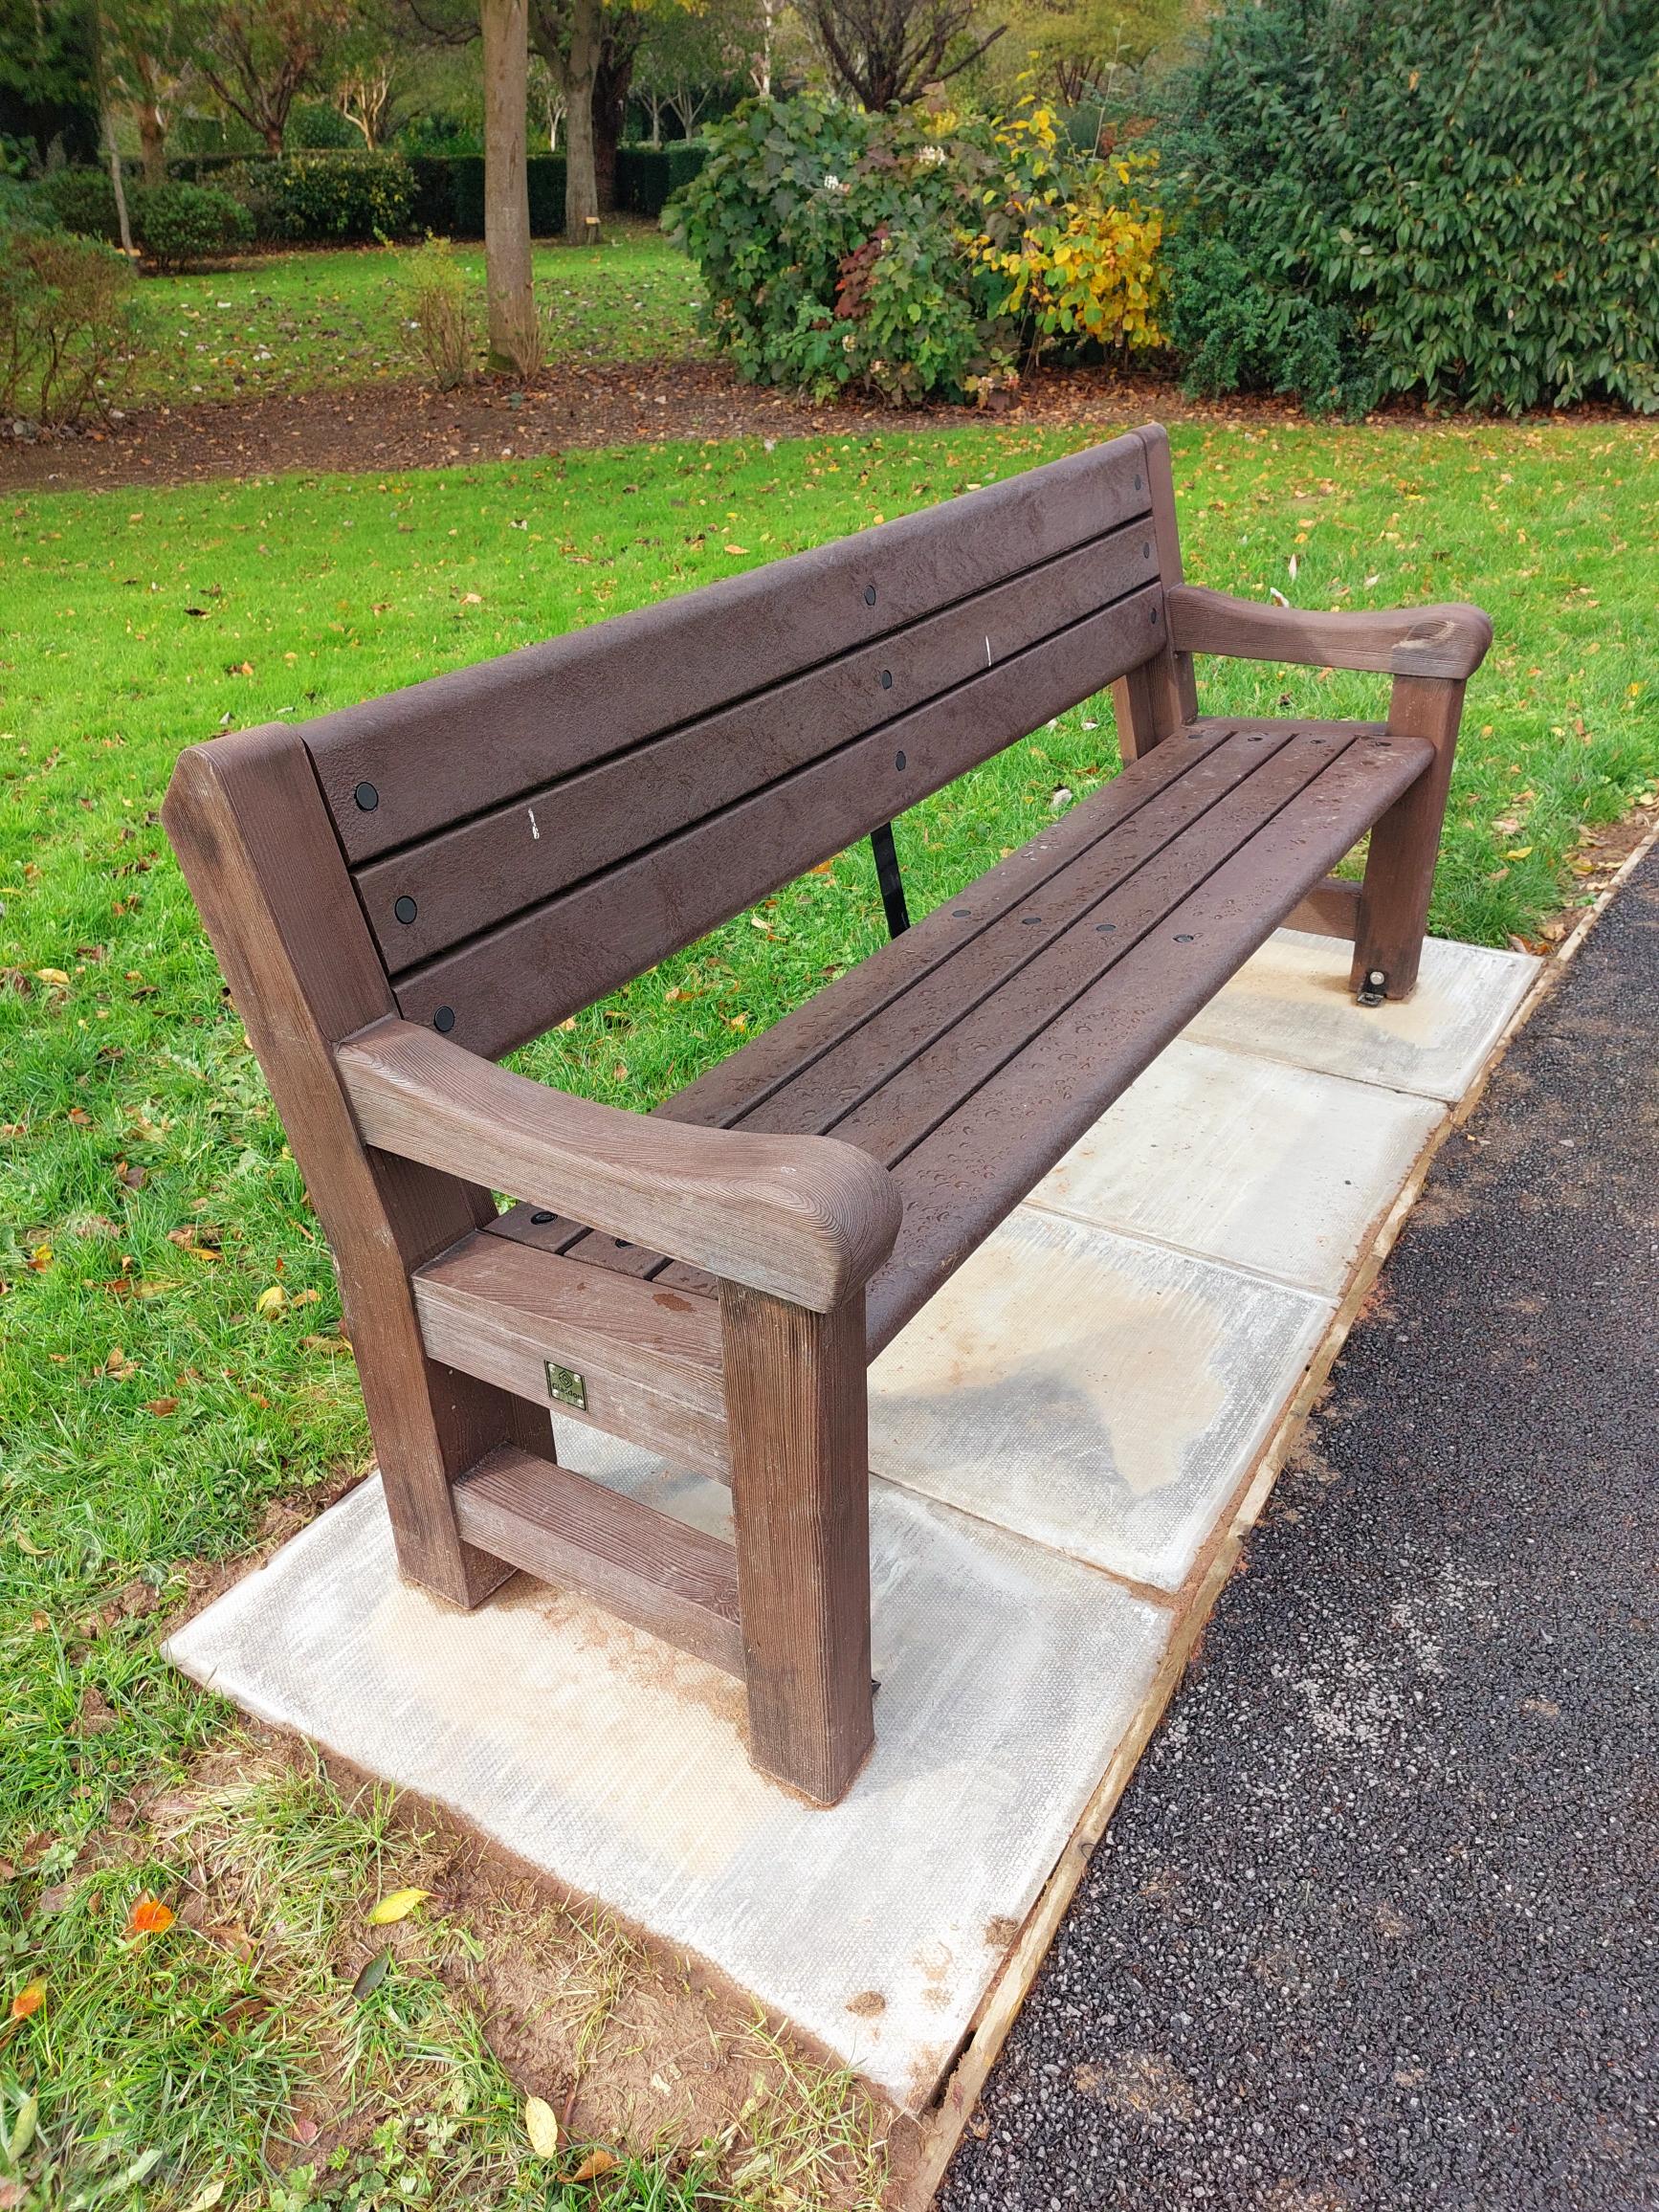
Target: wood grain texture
(649, 1354)
(672, 1580)
(801, 1504)
(252, 837)
(1404, 847)
(1428, 641)
(803, 1219)
(456, 744)
(481, 870)
(511, 983)
(1331, 909)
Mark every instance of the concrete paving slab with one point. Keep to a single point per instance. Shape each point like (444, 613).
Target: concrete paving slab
(1291, 1002)
(617, 1765)
(1094, 1392)
(1267, 1166)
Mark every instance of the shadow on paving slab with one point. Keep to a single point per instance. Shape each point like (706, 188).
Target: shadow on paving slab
(1376, 1925)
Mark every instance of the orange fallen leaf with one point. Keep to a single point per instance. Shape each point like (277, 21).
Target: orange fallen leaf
(160, 1407)
(149, 1916)
(595, 2163)
(29, 2000)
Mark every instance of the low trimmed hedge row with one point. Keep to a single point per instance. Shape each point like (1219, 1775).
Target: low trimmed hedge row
(448, 196)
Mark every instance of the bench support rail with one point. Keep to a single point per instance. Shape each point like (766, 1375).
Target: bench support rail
(1393, 917)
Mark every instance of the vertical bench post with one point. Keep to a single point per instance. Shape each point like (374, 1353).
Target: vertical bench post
(796, 1404)
(253, 835)
(1399, 881)
(1157, 698)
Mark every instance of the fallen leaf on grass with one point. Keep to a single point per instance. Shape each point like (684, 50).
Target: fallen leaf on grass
(271, 1302)
(541, 2126)
(160, 1407)
(305, 2130)
(29, 1998)
(149, 1916)
(595, 2163)
(398, 1905)
(53, 976)
(205, 2199)
(1521, 853)
(23, 2132)
(371, 1975)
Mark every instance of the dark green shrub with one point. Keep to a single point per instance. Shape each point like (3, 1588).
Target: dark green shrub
(647, 177)
(1376, 196)
(339, 195)
(545, 174)
(178, 224)
(82, 201)
(836, 248)
(65, 325)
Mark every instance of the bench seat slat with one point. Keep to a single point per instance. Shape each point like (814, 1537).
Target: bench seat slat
(971, 1125)
(478, 874)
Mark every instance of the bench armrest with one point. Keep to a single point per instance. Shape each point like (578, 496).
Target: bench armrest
(803, 1218)
(1443, 641)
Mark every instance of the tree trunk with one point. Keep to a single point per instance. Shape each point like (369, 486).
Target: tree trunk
(514, 338)
(115, 178)
(581, 71)
(612, 85)
(153, 140)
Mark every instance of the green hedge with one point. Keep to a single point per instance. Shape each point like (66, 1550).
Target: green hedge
(448, 197)
(1377, 197)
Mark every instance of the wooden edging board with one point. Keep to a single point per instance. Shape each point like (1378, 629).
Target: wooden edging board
(943, 2128)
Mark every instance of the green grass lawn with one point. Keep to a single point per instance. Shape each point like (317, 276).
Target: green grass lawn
(153, 1401)
(295, 322)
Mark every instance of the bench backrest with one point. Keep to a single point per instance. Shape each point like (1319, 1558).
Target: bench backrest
(526, 834)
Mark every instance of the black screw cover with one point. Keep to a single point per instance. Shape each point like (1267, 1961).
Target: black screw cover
(366, 797)
(898, 760)
(870, 595)
(887, 679)
(444, 1019)
(541, 1219)
(406, 910)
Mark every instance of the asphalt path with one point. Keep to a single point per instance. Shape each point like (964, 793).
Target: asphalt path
(1377, 1923)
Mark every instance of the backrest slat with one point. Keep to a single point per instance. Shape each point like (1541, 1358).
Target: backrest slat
(421, 760)
(428, 897)
(507, 984)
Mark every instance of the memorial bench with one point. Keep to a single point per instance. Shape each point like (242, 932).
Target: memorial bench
(403, 891)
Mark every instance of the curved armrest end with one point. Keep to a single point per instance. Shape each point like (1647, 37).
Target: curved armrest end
(803, 1218)
(1437, 641)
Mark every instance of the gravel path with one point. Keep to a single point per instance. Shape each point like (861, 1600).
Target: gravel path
(1376, 1924)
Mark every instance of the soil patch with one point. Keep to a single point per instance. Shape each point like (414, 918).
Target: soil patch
(616, 404)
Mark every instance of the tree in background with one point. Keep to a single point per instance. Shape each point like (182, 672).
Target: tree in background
(688, 56)
(1083, 51)
(149, 60)
(259, 56)
(888, 50)
(515, 340)
(47, 95)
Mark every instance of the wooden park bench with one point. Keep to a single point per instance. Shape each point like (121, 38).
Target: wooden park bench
(403, 891)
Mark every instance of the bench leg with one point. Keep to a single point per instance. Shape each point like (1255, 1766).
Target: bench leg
(1405, 846)
(795, 1398)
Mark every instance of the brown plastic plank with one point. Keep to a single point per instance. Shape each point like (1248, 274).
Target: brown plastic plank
(975, 1167)
(640, 1359)
(414, 761)
(1450, 640)
(738, 1084)
(511, 983)
(1020, 945)
(672, 1580)
(426, 897)
(1331, 909)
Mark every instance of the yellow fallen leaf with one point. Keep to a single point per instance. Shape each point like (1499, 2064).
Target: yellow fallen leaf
(1521, 853)
(52, 975)
(541, 2126)
(205, 2199)
(271, 1302)
(396, 1905)
(29, 2000)
(736, 548)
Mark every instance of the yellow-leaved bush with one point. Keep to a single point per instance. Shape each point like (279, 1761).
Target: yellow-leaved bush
(1085, 265)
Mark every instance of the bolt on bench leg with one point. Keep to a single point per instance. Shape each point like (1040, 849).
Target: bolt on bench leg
(796, 1403)
(1406, 845)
